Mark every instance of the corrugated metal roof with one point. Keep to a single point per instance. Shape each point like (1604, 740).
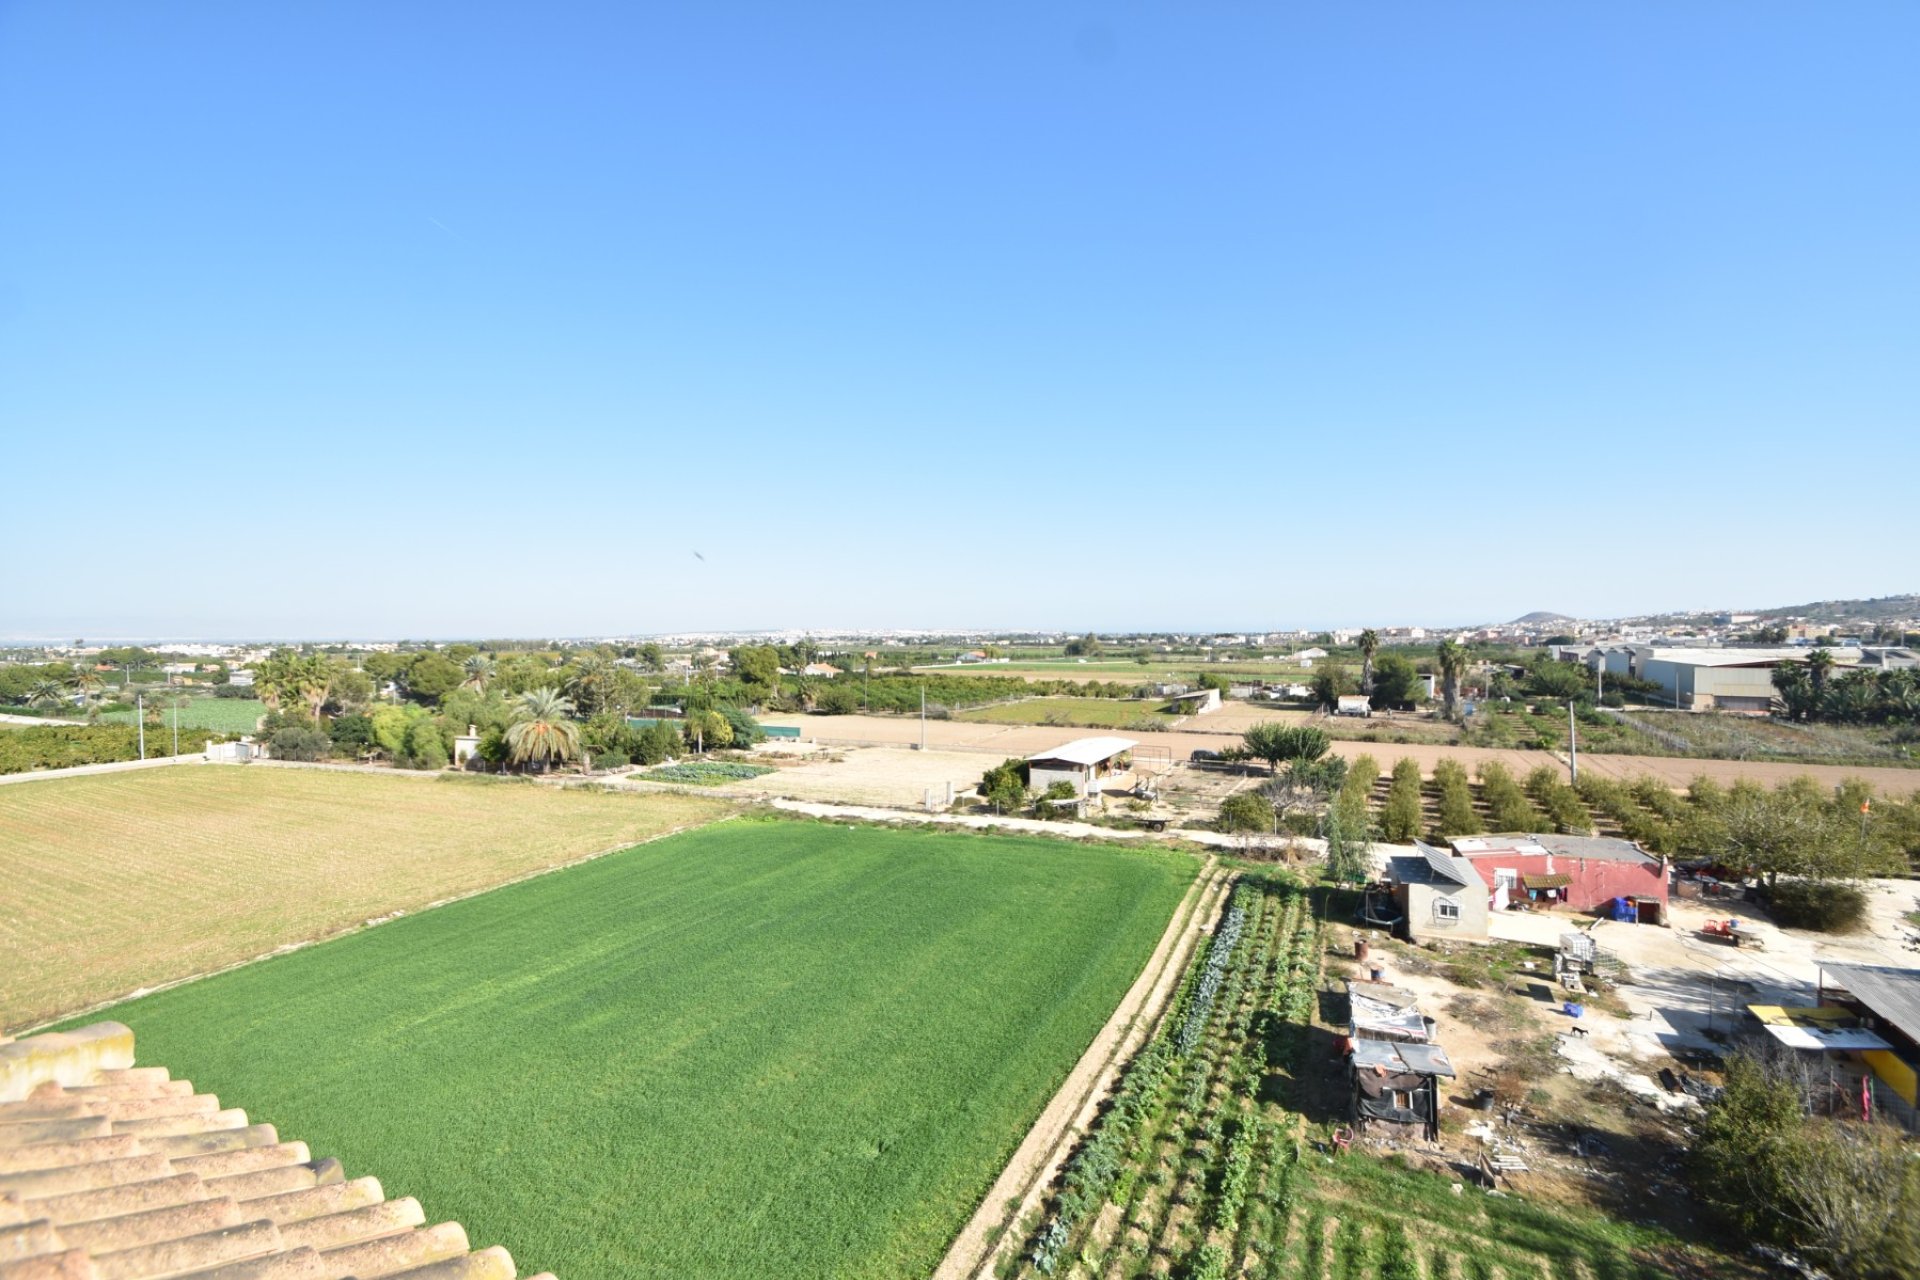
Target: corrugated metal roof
(1545, 882)
(1086, 751)
(1892, 994)
(1396, 1056)
(1525, 844)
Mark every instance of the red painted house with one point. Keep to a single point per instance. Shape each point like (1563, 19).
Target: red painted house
(1585, 873)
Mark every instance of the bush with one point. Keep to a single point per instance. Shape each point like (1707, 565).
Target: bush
(615, 759)
(1245, 811)
(297, 743)
(746, 730)
(1822, 906)
(1057, 791)
(426, 749)
(352, 733)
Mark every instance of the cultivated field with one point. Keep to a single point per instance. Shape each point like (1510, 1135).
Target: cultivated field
(765, 1048)
(1212, 1159)
(222, 715)
(119, 882)
(1100, 713)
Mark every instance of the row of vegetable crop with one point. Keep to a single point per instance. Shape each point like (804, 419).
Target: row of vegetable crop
(1165, 1101)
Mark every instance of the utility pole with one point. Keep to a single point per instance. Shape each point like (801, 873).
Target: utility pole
(1573, 744)
(140, 718)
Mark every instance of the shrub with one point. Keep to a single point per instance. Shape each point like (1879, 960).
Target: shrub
(1056, 791)
(1245, 811)
(614, 759)
(1823, 906)
(746, 730)
(296, 743)
(425, 747)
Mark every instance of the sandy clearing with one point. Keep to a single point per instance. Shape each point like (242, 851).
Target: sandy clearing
(1024, 1183)
(1021, 740)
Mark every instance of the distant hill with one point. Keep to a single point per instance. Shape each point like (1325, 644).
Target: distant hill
(1540, 615)
(1876, 609)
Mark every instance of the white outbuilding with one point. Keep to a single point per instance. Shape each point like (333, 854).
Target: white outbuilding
(1089, 764)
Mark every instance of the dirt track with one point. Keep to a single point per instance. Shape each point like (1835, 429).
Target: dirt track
(992, 1231)
(1020, 740)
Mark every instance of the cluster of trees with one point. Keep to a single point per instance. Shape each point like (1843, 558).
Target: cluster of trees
(56, 746)
(1811, 691)
(1843, 1192)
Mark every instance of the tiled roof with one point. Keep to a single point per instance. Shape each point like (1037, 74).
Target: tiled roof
(109, 1171)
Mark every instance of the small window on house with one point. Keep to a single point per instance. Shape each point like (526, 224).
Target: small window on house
(1401, 1098)
(1443, 909)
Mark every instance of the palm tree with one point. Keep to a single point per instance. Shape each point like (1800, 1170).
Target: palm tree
(1369, 645)
(542, 731)
(479, 671)
(86, 683)
(1453, 664)
(1795, 690)
(47, 693)
(589, 684)
(1819, 667)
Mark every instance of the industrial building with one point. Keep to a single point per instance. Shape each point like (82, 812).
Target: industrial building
(1710, 679)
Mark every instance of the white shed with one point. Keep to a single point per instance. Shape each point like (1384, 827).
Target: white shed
(1089, 764)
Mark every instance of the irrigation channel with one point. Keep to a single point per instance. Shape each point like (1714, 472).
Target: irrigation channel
(1203, 1164)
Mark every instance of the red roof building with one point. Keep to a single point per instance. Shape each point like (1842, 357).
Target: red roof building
(1584, 873)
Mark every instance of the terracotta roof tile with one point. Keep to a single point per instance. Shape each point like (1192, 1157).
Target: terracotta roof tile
(110, 1171)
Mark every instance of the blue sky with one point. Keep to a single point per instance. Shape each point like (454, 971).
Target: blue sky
(439, 319)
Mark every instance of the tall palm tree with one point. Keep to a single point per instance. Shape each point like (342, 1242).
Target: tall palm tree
(87, 683)
(479, 670)
(1453, 664)
(542, 731)
(1819, 667)
(1369, 645)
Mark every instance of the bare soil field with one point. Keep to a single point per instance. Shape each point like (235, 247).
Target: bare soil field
(132, 880)
(1022, 740)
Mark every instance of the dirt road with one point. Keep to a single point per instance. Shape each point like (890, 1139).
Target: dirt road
(1021, 740)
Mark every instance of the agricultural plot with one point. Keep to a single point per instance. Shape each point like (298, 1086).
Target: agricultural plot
(222, 715)
(126, 881)
(1145, 715)
(1204, 1163)
(765, 1048)
(706, 773)
(1748, 738)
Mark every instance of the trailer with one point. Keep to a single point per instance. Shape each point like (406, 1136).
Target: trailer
(1736, 932)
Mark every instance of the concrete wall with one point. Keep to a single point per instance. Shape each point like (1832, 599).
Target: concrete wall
(1424, 926)
(1040, 777)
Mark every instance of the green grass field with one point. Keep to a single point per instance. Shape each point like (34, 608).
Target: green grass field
(222, 715)
(1108, 713)
(764, 1048)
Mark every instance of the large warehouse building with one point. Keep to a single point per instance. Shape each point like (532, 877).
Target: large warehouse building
(1711, 679)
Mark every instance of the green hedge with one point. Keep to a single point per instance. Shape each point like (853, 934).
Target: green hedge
(63, 746)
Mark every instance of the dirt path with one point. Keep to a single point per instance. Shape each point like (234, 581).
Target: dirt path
(1022, 1186)
(1021, 740)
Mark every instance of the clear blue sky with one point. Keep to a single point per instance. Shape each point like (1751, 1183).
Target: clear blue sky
(436, 319)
